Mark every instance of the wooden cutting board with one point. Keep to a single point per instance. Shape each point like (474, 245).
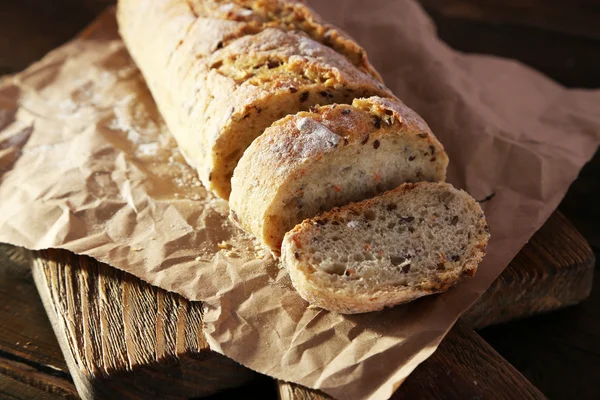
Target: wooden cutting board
(123, 338)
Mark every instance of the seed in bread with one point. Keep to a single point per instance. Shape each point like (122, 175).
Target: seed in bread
(415, 240)
(313, 161)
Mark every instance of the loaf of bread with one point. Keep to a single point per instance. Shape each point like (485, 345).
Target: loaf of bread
(265, 88)
(412, 241)
(222, 72)
(313, 161)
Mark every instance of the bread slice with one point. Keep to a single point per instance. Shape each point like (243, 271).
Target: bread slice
(313, 161)
(412, 241)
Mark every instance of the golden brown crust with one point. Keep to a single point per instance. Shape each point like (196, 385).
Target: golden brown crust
(365, 121)
(285, 153)
(254, 16)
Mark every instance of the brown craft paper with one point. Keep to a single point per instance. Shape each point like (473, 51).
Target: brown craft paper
(87, 165)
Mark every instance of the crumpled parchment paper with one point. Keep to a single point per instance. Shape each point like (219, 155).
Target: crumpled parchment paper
(87, 165)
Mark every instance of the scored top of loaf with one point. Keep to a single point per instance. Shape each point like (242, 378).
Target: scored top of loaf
(282, 14)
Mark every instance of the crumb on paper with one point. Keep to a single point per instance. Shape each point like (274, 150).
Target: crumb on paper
(197, 258)
(148, 149)
(136, 249)
(233, 254)
(259, 252)
(223, 245)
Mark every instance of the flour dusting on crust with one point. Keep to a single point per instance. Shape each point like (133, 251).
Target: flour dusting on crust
(314, 139)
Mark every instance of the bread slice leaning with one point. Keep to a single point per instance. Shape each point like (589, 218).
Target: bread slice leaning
(313, 161)
(412, 241)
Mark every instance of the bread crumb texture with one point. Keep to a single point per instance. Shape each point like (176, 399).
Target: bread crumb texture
(412, 241)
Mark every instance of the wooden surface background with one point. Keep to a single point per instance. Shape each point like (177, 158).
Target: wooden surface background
(558, 352)
(123, 338)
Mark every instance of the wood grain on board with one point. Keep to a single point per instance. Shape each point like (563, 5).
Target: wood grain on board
(123, 338)
(463, 367)
(121, 335)
(31, 363)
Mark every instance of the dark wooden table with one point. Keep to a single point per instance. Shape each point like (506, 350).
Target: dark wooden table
(558, 352)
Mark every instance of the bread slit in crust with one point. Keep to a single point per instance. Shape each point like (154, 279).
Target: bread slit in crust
(415, 240)
(313, 161)
(233, 19)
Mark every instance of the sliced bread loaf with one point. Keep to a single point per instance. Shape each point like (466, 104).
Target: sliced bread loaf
(412, 241)
(313, 161)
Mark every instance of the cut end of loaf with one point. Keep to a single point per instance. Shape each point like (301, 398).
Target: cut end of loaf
(328, 157)
(415, 240)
